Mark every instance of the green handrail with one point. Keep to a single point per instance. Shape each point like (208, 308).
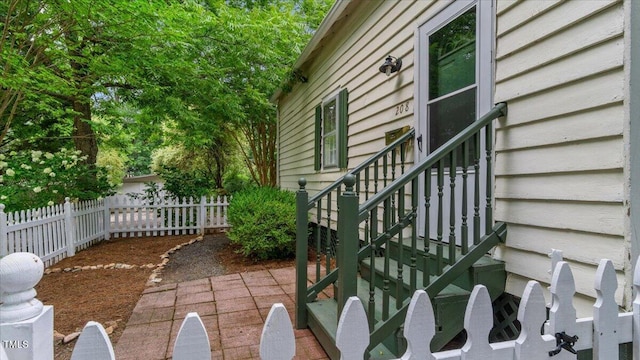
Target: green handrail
(444, 150)
(304, 204)
(362, 166)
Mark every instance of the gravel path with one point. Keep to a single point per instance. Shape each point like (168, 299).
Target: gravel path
(195, 261)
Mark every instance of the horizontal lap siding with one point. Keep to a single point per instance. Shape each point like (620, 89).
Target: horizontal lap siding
(560, 151)
(351, 59)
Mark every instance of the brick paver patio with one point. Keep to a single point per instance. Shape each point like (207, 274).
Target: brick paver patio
(233, 309)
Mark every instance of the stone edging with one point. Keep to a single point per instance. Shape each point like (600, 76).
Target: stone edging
(153, 278)
(110, 326)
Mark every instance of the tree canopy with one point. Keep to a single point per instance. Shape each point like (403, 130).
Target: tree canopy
(131, 76)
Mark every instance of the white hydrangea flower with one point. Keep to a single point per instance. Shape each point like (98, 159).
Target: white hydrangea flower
(2, 157)
(13, 153)
(37, 189)
(41, 162)
(54, 191)
(3, 197)
(46, 170)
(50, 203)
(48, 155)
(35, 154)
(10, 172)
(25, 166)
(52, 174)
(1, 178)
(3, 164)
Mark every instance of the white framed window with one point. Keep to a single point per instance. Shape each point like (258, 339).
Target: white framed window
(331, 132)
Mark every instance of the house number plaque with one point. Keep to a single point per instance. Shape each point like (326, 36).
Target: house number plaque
(402, 108)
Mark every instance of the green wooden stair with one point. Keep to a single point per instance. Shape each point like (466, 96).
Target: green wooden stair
(370, 217)
(449, 305)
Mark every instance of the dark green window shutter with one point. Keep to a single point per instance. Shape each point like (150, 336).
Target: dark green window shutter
(317, 147)
(343, 120)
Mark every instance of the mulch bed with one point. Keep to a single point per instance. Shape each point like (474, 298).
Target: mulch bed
(109, 295)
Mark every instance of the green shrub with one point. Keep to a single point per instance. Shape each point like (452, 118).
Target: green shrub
(236, 181)
(263, 221)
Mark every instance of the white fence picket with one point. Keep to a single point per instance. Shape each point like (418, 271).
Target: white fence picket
(419, 328)
(530, 345)
(55, 232)
(93, 344)
(605, 313)
(603, 332)
(192, 342)
(352, 336)
(277, 341)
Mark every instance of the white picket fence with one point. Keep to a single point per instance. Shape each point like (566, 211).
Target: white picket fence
(603, 332)
(55, 232)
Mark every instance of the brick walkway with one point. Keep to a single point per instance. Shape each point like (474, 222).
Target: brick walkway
(233, 309)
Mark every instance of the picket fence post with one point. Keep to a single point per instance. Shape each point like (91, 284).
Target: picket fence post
(4, 241)
(202, 214)
(26, 325)
(107, 218)
(69, 228)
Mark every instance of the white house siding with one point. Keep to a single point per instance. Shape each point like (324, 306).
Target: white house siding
(349, 57)
(559, 179)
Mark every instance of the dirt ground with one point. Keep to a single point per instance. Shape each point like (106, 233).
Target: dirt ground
(109, 295)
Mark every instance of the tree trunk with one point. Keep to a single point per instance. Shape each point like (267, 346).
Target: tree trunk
(84, 137)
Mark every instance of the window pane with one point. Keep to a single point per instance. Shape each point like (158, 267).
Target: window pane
(329, 145)
(449, 116)
(452, 55)
(329, 118)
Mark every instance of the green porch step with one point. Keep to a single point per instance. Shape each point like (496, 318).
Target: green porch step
(448, 306)
(486, 270)
(323, 322)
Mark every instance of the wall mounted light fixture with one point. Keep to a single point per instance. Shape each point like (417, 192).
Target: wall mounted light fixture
(391, 65)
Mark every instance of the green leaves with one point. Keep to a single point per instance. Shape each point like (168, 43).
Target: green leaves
(263, 223)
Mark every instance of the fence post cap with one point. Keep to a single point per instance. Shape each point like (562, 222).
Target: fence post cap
(302, 182)
(20, 272)
(1, 207)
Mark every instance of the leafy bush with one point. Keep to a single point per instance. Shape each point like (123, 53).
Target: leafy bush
(263, 221)
(181, 184)
(235, 181)
(31, 179)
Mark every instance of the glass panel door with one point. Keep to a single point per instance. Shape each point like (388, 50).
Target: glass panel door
(451, 104)
(454, 86)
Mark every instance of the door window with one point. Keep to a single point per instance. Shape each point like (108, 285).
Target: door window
(451, 104)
